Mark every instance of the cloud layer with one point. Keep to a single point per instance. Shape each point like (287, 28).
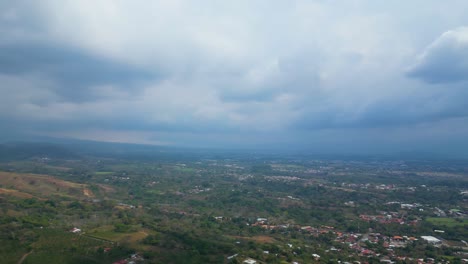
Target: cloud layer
(241, 74)
(445, 60)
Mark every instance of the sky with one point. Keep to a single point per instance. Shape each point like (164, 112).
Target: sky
(350, 76)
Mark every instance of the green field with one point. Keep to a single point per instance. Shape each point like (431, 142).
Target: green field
(445, 221)
(108, 233)
(58, 246)
(11, 251)
(184, 169)
(101, 173)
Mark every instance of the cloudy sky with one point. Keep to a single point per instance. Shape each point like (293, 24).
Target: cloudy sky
(324, 75)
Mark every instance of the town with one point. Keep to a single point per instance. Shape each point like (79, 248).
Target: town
(112, 209)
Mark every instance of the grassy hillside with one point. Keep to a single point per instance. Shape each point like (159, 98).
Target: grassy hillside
(41, 186)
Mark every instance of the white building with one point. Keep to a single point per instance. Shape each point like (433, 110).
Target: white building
(431, 239)
(75, 230)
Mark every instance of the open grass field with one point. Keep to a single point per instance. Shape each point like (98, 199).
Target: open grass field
(103, 173)
(108, 233)
(59, 246)
(42, 185)
(184, 169)
(11, 252)
(445, 221)
(259, 239)
(15, 193)
(25, 185)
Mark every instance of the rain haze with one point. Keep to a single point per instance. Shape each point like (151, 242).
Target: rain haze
(324, 76)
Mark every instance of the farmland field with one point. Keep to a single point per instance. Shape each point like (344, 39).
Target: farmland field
(449, 222)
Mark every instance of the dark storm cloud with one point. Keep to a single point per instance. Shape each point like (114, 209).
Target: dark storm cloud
(74, 71)
(410, 112)
(445, 60)
(392, 112)
(236, 73)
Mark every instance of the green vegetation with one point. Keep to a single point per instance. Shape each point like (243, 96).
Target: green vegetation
(201, 209)
(447, 222)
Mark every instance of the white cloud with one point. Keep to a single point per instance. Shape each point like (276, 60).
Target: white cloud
(243, 66)
(445, 60)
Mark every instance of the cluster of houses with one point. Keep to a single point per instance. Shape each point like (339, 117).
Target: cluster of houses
(133, 259)
(358, 242)
(382, 187)
(282, 178)
(263, 223)
(388, 218)
(199, 189)
(125, 206)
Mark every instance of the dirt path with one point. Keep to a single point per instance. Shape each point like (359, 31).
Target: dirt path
(24, 257)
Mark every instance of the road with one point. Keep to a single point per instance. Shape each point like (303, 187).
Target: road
(24, 257)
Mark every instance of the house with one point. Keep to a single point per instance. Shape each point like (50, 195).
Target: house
(431, 239)
(250, 261)
(75, 230)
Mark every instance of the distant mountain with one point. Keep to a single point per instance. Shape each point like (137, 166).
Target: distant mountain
(78, 149)
(28, 150)
(75, 149)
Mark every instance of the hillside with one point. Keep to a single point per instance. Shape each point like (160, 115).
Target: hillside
(41, 186)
